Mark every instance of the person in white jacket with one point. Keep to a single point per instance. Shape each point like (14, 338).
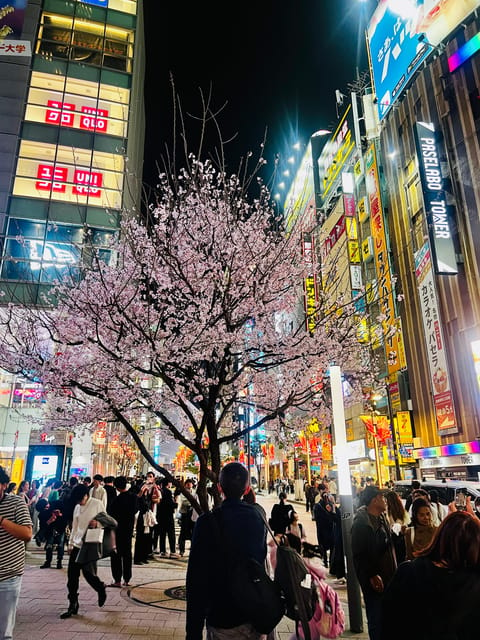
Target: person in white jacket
(84, 514)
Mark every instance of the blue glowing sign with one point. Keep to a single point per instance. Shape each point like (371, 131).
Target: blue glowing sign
(98, 3)
(465, 52)
(396, 51)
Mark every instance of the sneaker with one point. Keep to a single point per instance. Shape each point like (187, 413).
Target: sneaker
(163, 554)
(174, 555)
(45, 565)
(182, 554)
(118, 585)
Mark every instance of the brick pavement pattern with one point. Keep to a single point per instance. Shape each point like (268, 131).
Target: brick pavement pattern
(132, 613)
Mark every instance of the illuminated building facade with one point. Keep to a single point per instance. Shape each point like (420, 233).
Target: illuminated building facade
(425, 74)
(71, 143)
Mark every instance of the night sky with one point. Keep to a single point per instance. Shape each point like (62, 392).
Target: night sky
(275, 65)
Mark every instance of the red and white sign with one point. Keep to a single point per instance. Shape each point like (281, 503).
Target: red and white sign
(63, 114)
(94, 119)
(60, 113)
(51, 178)
(85, 183)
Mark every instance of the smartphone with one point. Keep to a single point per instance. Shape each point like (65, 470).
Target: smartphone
(460, 500)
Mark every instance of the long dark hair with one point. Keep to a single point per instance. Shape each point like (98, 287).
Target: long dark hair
(418, 504)
(456, 542)
(395, 506)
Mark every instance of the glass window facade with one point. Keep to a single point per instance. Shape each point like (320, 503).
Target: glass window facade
(43, 252)
(85, 41)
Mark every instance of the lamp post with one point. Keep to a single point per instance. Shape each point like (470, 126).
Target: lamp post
(346, 498)
(378, 469)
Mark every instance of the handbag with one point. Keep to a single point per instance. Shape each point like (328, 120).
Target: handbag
(94, 535)
(89, 552)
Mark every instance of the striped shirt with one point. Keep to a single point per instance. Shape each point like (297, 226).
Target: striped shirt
(12, 550)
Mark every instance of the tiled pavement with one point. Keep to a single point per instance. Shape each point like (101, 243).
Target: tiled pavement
(148, 609)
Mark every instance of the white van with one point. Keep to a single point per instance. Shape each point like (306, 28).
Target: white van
(446, 489)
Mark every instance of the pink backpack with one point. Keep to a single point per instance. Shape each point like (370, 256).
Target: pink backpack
(332, 619)
(329, 617)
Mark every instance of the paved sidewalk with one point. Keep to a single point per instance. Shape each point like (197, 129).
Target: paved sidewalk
(149, 609)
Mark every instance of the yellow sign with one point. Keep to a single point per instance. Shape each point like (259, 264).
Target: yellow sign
(351, 227)
(353, 252)
(380, 248)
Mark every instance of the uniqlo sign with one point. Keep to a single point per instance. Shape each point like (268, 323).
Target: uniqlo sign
(50, 178)
(63, 114)
(87, 183)
(93, 119)
(60, 113)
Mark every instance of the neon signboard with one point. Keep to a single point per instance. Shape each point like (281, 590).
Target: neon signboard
(402, 34)
(443, 253)
(97, 3)
(64, 114)
(54, 178)
(465, 52)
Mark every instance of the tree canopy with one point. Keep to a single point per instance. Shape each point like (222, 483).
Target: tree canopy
(198, 315)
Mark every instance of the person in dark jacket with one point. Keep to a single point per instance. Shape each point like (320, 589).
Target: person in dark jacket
(166, 523)
(373, 554)
(280, 514)
(52, 524)
(243, 527)
(445, 578)
(123, 509)
(108, 485)
(324, 512)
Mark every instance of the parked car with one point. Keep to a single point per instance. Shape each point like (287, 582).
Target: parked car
(447, 489)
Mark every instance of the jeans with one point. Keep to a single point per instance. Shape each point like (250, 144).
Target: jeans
(9, 594)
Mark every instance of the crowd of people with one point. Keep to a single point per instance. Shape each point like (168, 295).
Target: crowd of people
(133, 520)
(418, 548)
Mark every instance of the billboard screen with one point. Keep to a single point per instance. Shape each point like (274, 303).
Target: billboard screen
(12, 14)
(398, 39)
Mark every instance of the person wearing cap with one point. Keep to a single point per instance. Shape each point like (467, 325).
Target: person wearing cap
(373, 554)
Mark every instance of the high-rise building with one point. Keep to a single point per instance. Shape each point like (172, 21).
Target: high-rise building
(71, 147)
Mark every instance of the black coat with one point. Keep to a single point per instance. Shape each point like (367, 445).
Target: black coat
(280, 517)
(446, 603)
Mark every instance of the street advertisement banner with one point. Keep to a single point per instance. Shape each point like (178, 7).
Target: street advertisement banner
(334, 156)
(436, 354)
(384, 289)
(12, 15)
(436, 210)
(402, 34)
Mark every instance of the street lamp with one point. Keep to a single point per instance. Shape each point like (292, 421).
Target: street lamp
(346, 498)
(373, 404)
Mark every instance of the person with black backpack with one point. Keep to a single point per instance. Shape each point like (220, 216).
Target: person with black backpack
(235, 529)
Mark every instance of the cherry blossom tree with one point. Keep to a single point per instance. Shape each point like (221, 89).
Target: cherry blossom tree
(199, 318)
